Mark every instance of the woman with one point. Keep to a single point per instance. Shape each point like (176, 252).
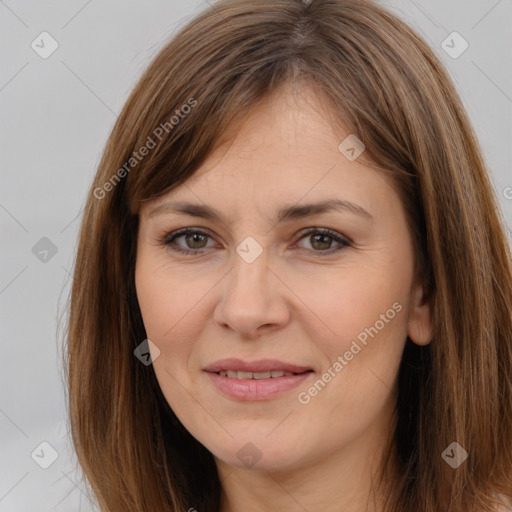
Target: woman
(293, 289)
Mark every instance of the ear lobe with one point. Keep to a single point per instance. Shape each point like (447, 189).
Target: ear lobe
(419, 328)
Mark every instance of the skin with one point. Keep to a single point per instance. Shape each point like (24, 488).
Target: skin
(298, 302)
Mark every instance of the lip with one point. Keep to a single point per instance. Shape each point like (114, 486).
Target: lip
(256, 389)
(261, 365)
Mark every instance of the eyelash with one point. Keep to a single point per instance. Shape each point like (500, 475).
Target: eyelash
(170, 238)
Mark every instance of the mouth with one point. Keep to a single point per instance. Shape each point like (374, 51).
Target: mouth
(241, 375)
(255, 369)
(257, 380)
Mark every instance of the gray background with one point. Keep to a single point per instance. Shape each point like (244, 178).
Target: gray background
(56, 115)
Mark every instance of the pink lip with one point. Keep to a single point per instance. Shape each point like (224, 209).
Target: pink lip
(256, 389)
(261, 365)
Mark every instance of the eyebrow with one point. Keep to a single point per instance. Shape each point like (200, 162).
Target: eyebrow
(286, 213)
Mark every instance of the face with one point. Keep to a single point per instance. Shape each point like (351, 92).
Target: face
(305, 268)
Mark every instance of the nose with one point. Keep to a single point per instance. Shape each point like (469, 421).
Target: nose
(253, 299)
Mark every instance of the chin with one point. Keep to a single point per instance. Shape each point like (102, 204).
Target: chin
(261, 456)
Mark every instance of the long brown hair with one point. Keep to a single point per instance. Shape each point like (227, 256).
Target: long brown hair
(386, 85)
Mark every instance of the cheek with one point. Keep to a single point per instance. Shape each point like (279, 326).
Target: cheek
(170, 316)
(363, 331)
(360, 329)
(354, 303)
(365, 353)
(156, 306)
(174, 310)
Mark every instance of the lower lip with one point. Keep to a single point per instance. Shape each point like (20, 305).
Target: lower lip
(257, 389)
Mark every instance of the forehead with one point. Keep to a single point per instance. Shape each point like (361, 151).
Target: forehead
(289, 124)
(284, 150)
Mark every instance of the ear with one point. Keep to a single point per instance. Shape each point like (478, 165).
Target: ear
(419, 327)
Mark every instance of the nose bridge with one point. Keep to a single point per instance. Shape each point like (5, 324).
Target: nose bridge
(249, 297)
(250, 271)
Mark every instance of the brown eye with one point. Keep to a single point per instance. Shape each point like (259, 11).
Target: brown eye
(195, 240)
(321, 240)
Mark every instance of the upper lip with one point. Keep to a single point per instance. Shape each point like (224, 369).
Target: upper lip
(261, 365)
